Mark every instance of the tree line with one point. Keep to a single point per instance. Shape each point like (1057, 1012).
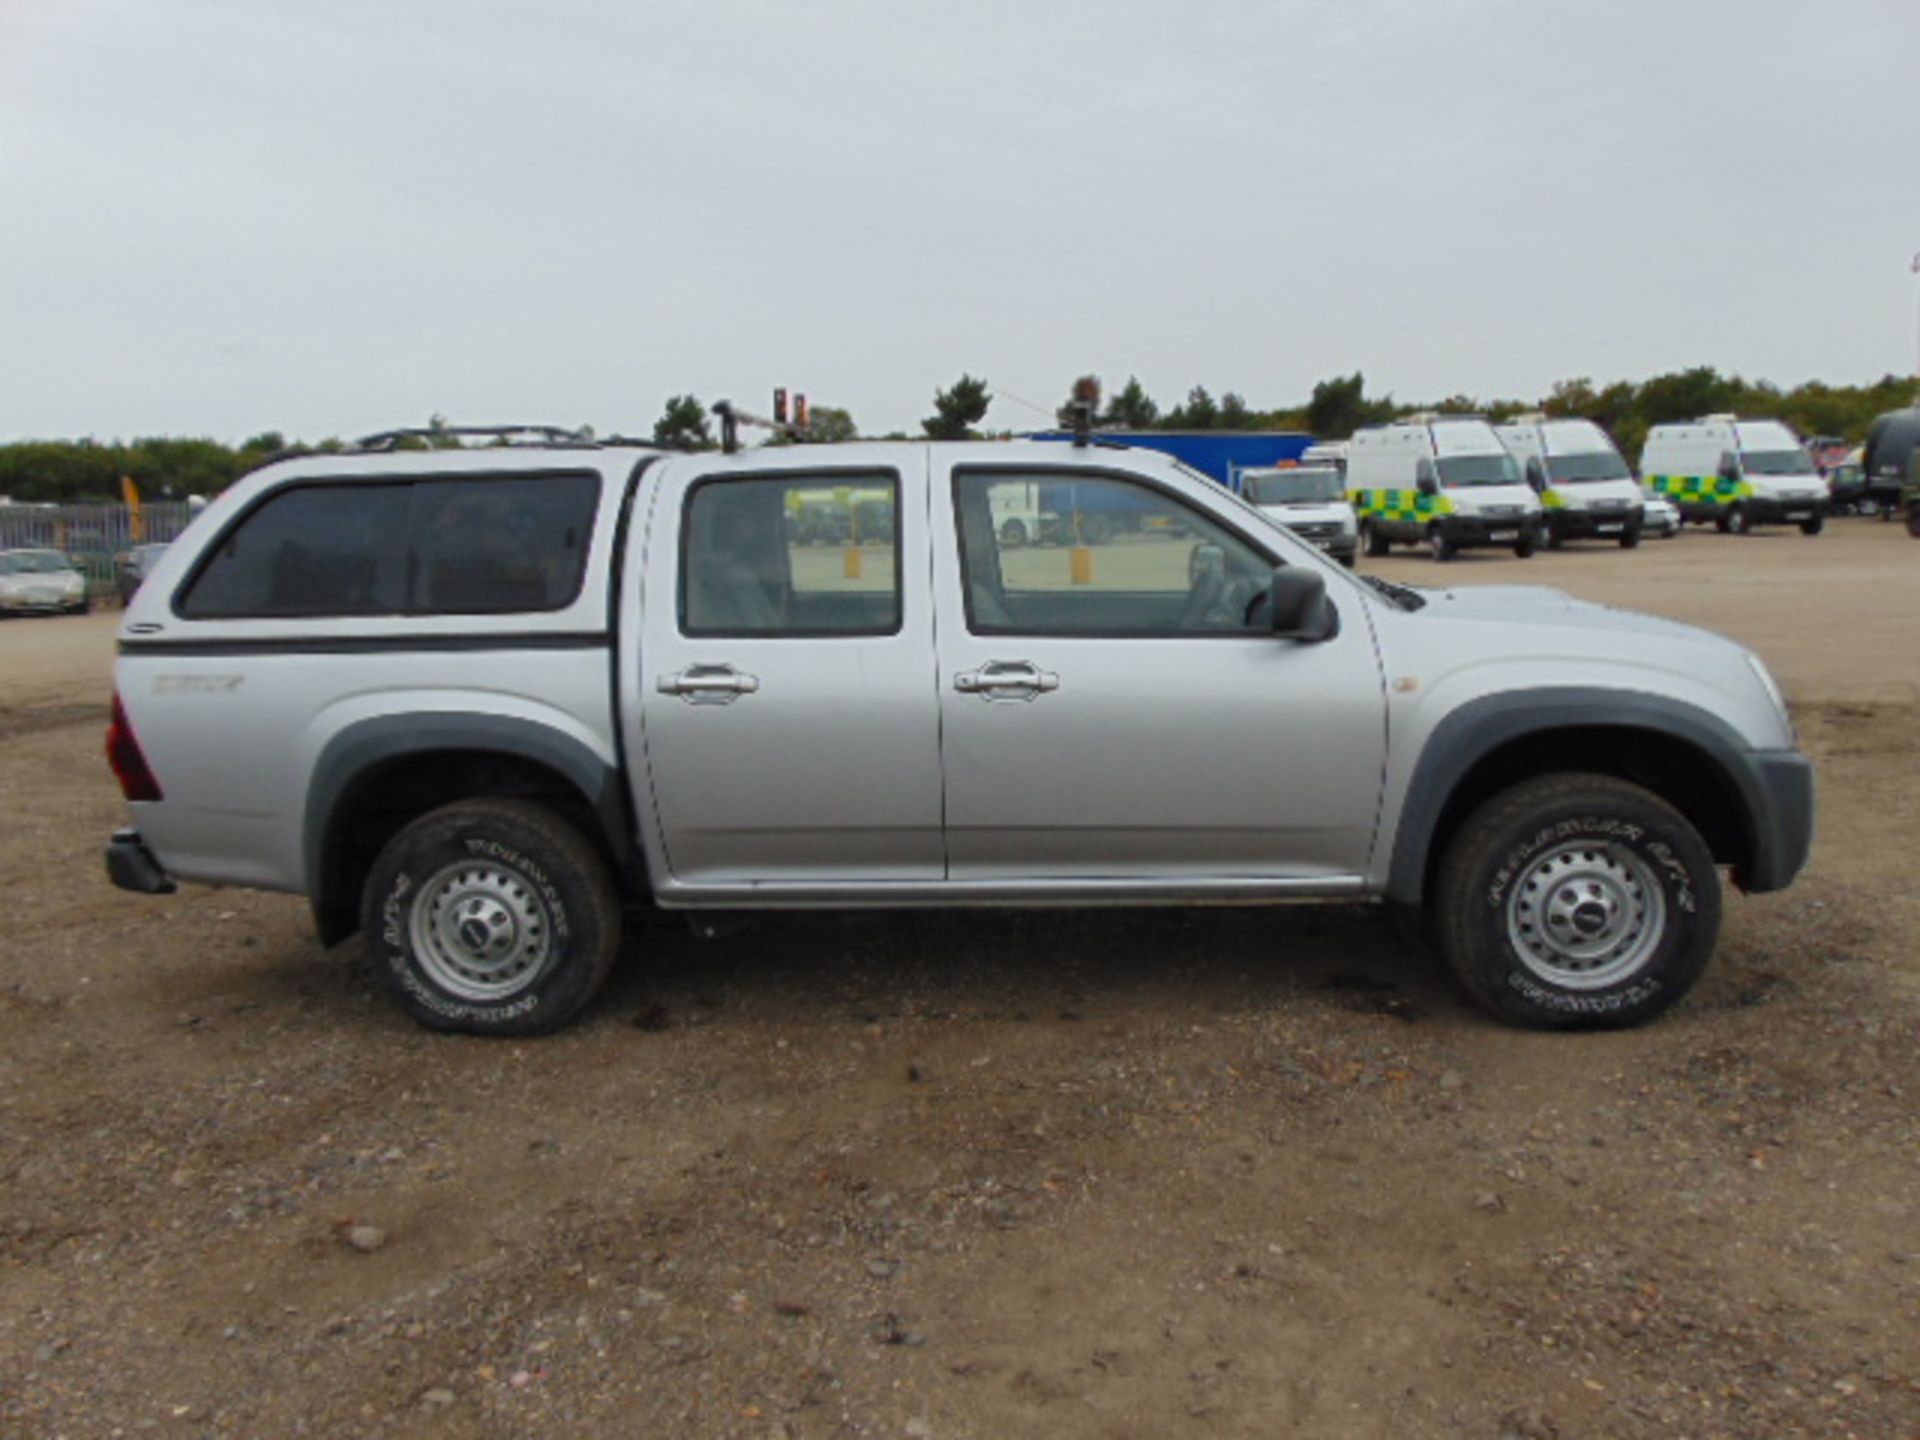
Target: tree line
(174, 468)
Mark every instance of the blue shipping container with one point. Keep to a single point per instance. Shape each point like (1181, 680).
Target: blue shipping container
(1219, 453)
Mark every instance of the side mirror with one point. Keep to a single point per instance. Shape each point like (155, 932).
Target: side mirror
(1298, 608)
(1424, 479)
(1729, 467)
(1536, 474)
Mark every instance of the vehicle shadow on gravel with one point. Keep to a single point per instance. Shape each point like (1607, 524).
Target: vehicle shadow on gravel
(991, 964)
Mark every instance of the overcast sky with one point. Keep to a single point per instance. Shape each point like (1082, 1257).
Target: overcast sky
(224, 216)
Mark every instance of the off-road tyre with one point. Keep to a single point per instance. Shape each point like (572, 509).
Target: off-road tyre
(521, 873)
(1559, 854)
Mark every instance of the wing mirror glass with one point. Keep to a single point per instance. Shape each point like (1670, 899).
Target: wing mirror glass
(1424, 479)
(1536, 475)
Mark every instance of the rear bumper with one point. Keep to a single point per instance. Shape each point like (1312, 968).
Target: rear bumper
(131, 866)
(1780, 804)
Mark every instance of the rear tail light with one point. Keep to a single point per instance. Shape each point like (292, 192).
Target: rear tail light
(128, 762)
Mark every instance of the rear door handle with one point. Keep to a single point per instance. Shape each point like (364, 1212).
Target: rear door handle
(709, 684)
(1006, 680)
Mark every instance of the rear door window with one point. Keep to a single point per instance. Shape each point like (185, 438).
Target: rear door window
(792, 555)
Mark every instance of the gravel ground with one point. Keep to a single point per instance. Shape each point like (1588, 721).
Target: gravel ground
(1103, 1174)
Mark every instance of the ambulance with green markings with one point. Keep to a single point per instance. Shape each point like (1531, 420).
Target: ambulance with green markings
(1736, 473)
(1442, 481)
(1586, 490)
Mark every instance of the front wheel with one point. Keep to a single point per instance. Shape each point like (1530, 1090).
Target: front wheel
(1813, 525)
(491, 917)
(1013, 534)
(1913, 519)
(1630, 537)
(1739, 522)
(1577, 902)
(1348, 559)
(1439, 544)
(1528, 541)
(1377, 544)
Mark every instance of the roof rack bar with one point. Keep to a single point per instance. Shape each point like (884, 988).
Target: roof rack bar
(732, 417)
(545, 434)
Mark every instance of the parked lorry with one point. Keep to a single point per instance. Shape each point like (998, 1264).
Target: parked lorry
(1735, 473)
(1586, 490)
(1443, 481)
(1892, 442)
(474, 703)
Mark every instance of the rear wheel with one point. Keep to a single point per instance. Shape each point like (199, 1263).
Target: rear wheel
(1577, 902)
(491, 917)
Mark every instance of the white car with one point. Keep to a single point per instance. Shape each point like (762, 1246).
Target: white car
(43, 581)
(1658, 515)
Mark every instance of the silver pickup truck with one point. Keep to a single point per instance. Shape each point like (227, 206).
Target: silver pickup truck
(474, 702)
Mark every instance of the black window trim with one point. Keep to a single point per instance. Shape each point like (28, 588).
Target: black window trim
(204, 560)
(1092, 472)
(887, 473)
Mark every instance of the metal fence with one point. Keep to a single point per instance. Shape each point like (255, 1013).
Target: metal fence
(94, 535)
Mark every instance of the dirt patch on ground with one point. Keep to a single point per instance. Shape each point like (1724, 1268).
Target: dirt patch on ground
(1097, 1174)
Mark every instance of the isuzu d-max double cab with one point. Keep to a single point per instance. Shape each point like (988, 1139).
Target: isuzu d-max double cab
(472, 703)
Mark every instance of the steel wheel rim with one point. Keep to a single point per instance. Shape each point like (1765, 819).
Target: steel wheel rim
(1586, 915)
(480, 931)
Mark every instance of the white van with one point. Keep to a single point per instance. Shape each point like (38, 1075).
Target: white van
(1736, 473)
(1586, 490)
(1310, 500)
(1441, 481)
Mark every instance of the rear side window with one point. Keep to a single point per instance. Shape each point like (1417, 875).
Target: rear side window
(481, 547)
(318, 550)
(455, 546)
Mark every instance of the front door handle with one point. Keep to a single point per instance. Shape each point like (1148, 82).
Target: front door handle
(709, 684)
(1006, 680)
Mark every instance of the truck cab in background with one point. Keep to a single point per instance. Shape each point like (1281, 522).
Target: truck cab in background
(1445, 482)
(1586, 490)
(1310, 500)
(1736, 473)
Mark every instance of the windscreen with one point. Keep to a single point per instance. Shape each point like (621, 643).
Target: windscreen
(1776, 462)
(1573, 469)
(34, 562)
(1464, 470)
(1295, 487)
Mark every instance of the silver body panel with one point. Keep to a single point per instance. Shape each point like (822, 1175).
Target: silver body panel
(1226, 767)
